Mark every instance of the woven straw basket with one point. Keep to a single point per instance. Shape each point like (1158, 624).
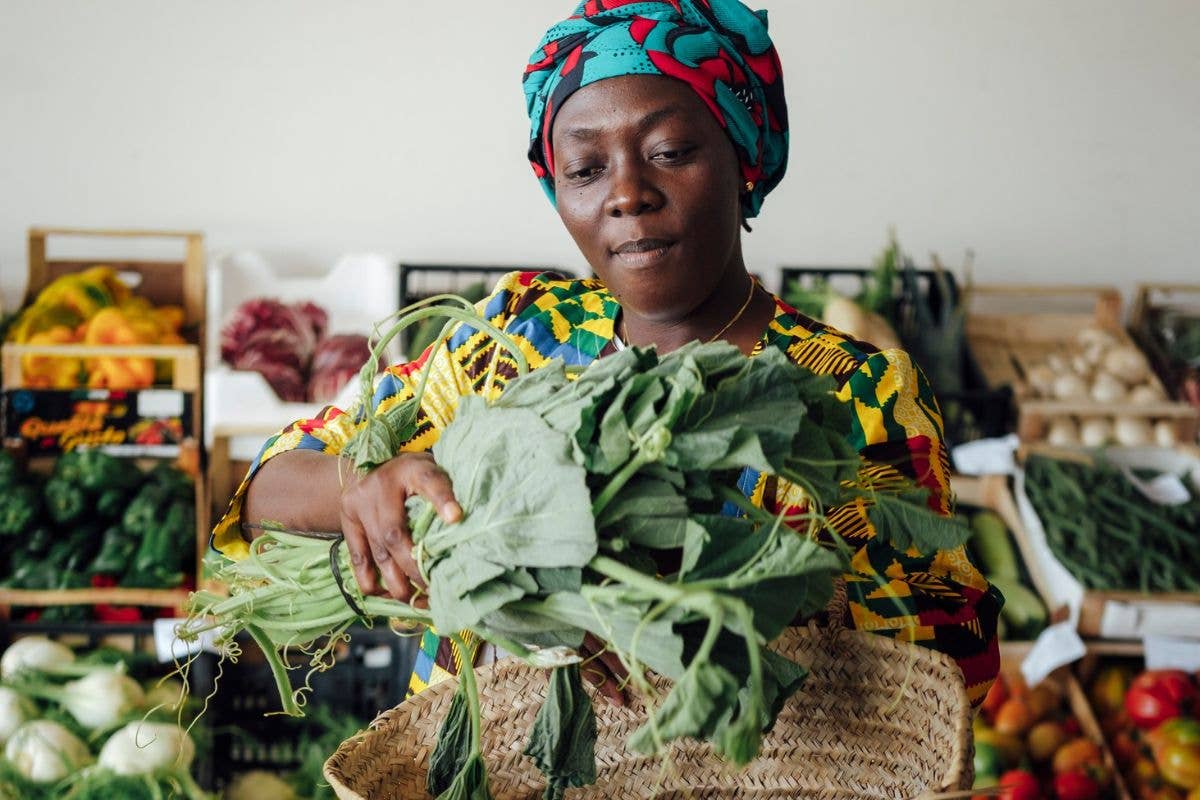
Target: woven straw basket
(875, 719)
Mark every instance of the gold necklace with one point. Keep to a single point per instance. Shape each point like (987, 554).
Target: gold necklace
(715, 336)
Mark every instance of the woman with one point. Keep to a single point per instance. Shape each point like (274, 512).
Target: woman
(657, 128)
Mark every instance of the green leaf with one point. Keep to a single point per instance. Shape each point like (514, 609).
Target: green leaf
(647, 512)
(562, 741)
(904, 521)
(615, 619)
(453, 746)
(470, 783)
(699, 703)
(531, 513)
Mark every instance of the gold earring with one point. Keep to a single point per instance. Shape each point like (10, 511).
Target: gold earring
(749, 186)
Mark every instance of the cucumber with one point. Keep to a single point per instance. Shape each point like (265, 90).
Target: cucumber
(1023, 610)
(993, 546)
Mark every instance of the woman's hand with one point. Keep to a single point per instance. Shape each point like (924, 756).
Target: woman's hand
(603, 669)
(375, 522)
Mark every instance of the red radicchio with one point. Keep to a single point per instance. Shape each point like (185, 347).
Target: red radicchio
(298, 322)
(336, 361)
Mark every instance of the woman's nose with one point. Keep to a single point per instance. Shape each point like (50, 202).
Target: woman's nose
(631, 192)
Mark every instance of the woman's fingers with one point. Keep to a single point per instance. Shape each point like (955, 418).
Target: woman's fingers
(603, 669)
(431, 482)
(360, 554)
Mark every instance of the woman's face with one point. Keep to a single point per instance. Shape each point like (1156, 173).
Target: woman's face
(647, 185)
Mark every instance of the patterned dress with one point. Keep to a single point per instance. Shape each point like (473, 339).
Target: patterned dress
(939, 600)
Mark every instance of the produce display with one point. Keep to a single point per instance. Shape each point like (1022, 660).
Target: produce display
(1091, 513)
(95, 520)
(591, 505)
(1110, 371)
(1029, 742)
(1152, 721)
(82, 728)
(994, 552)
(288, 346)
(94, 307)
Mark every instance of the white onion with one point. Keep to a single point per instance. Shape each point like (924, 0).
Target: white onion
(1070, 386)
(1095, 432)
(1126, 362)
(1132, 431)
(1164, 433)
(1145, 394)
(1063, 433)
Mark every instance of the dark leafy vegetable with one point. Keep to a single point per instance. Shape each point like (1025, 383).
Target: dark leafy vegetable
(563, 740)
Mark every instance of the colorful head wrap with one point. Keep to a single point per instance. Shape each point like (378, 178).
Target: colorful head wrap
(718, 47)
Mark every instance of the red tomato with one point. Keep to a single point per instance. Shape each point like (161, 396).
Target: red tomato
(1077, 755)
(1159, 695)
(1075, 785)
(1019, 785)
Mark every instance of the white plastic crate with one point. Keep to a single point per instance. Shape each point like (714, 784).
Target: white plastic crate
(358, 291)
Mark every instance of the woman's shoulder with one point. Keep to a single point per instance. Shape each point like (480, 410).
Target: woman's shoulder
(821, 348)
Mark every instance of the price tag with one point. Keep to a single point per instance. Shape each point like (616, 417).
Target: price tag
(1172, 652)
(160, 403)
(1058, 645)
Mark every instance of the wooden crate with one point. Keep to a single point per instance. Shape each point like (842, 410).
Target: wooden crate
(178, 282)
(1152, 299)
(1011, 329)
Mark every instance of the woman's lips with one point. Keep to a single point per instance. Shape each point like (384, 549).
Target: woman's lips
(643, 256)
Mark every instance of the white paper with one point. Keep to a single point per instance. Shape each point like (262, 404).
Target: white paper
(1058, 645)
(986, 456)
(170, 647)
(1172, 652)
(1165, 490)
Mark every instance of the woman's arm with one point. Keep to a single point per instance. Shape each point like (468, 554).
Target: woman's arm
(310, 490)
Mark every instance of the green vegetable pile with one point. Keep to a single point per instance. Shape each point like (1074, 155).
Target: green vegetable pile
(1107, 534)
(605, 504)
(94, 515)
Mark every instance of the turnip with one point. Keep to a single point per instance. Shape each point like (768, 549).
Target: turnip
(100, 699)
(146, 747)
(37, 654)
(44, 751)
(15, 711)
(260, 785)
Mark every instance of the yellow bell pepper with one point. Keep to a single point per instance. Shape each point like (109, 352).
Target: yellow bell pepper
(36, 319)
(110, 326)
(52, 372)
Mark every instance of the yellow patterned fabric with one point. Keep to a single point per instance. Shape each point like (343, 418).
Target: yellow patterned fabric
(938, 600)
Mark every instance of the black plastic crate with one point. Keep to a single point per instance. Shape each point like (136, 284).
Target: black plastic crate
(371, 675)
(419, 281)
(971, 410)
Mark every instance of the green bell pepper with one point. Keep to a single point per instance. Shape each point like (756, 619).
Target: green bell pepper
(99, 471)
(20, 506)
(65, 502)
(117, 549)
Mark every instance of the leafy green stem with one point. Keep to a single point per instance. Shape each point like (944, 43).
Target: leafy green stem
(467, 676)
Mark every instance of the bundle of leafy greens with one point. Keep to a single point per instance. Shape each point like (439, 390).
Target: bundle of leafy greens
(606, 503)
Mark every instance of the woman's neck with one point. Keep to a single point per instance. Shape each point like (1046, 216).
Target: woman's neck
(737, 311)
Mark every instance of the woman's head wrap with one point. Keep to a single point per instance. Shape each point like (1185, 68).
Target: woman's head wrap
(720, 48)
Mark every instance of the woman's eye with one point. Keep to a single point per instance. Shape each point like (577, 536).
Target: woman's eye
(673, 154)
(582, 173)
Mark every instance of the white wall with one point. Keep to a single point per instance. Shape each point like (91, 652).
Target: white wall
(1060, 140)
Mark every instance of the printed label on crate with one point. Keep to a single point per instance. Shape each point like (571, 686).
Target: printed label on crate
(148, 422)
